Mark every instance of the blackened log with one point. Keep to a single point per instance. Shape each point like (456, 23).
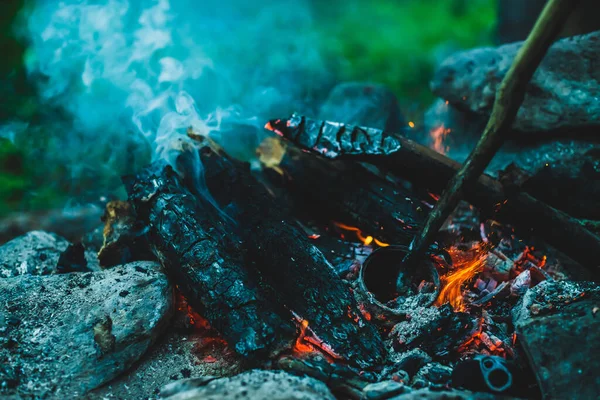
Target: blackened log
(205, 261)
(347, 192)
(290, 263)
(426, 167)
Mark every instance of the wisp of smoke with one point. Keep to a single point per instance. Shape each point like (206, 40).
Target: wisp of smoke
(154, 68)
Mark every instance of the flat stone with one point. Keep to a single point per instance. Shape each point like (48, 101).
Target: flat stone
(255, 385)
(562, 95)
(557, 325)
(429, 394)
(62, 335)
(34, 253)
(363, 104)
(383, 390)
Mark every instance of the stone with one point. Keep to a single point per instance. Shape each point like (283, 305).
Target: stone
(410, 361)
(63, 335)
(430, 394)
(35, 253)
(557, 325)
(383, 390)
(255, 384)
(39, 252)
(363, 104)
(562, 95)
(432, 374)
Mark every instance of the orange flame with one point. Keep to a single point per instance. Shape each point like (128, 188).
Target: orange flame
(301, 346)
(466, 267)
(308, 342)
(439, 135)
(367, 240)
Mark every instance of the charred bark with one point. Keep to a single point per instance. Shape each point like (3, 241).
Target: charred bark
(290, 263)
(350, 194)
(205, 260)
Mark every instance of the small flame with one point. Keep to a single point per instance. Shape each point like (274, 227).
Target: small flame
(439, 135)
(301, 346)
(465, 268)
(309, 342)
(366, 239)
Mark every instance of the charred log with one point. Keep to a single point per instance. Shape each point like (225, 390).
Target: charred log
(350, 194)
(425, 166)
(205, 261)
(290, 263)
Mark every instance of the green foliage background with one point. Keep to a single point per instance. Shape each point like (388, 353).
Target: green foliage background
(395, 42)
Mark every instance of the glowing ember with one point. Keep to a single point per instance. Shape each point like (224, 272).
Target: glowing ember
(466, 266)
(366, 239)
(301, 346)
(195, 319)
(309, 342)
(439, 135)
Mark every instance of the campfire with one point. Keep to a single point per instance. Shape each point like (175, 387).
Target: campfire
(347, 257)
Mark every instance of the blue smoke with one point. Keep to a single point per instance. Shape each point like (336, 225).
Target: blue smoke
(153, 69)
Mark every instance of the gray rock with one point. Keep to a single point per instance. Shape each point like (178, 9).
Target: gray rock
(363, 104)
(255, 384)
(432, 374)
(429, 394)
(557, 324)
(383, 390)
(37, 253)
(65, 334)
(410, 361)
(34, 253)
(563, 93)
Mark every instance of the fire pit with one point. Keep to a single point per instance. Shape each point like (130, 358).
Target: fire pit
(263, 258)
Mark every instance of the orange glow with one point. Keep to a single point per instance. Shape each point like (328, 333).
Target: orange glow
(411, 124)
(196, 320)
(439, 135)
(301, 346)
(495, 346)
(366, 239)
(434, 196)
(309, 342)
(466, 266)
(380, 243)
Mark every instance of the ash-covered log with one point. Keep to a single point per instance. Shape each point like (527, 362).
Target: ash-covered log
(205, 260)
(347, 192)
(287, 260)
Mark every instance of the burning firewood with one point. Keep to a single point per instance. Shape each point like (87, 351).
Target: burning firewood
(288, 261)
(351, 195)
(426, 167)
(205, 261)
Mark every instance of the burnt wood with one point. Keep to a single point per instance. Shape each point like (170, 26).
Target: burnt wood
(427, 168)
(289, 262)
(205, 260)
(347, 192)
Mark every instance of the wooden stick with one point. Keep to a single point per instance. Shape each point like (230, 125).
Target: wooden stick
(509, 98)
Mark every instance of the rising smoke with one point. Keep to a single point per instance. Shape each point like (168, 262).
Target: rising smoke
(148, 70)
